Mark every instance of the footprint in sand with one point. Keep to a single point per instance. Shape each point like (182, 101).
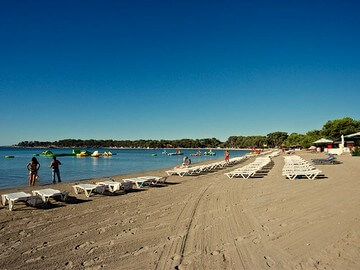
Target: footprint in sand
(91, 250)
(140, 250)
(90, 262)
(101, 230)
(215, 252)
(69, 265)
(264, 228)
(257, 240)
(82, 245)
(283, 225)
(269, 261)
(35, 259)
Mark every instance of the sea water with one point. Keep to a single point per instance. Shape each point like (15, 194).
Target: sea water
(13, 172)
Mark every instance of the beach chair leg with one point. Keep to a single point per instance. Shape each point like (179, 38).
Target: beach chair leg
(3, 199)
(11, 205)
(76, 190)
(87, 193)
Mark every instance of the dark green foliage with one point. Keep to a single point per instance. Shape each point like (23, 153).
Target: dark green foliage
(332, 130)
(276, 139)
(335, 128)
(355, 152)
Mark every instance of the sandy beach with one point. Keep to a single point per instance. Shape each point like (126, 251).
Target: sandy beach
(196, 222)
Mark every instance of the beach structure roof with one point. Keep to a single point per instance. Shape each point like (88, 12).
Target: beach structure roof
(357, 134)
(323, 141)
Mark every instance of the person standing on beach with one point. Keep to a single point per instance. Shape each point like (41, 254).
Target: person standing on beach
(227, 155)
(33, 167)
(54, 165)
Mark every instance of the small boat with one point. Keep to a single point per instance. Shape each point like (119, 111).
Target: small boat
(177, 153)
(198, 153)
(154, 155)
(107, 154)
(210, 153)
(83, 154)
(46, 153)
(164, 152)
(9, 156)
(96, 154)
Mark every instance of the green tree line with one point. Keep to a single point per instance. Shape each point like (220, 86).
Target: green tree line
(332, 129)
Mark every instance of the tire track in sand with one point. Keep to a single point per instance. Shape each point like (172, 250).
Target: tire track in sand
(175, 251)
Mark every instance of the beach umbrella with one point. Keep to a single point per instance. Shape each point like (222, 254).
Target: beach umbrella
(357, 134)
(323, 141)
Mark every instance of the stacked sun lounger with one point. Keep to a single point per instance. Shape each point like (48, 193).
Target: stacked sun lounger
(296, 166)
(196, 170)
(330, 160)
(251, 169)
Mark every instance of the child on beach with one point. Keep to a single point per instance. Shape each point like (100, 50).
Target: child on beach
(33, 167)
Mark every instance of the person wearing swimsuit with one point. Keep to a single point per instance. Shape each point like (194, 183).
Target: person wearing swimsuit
(33, 167)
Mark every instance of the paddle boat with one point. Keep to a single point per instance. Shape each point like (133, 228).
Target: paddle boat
(177, 153)
(164, 152)
(96, 154)
(107, 154)
(198, 153)
(83, 154)
(210, 153)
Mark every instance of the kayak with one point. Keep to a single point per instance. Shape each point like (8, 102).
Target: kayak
(9, 156)
(154, 155)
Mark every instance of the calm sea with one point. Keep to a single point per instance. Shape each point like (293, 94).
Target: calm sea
(13, 172)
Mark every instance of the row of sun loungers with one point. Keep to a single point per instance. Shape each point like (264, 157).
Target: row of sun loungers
(296, 166)
(88, 189)
(251, 169)
(44, 194)
(196, 170)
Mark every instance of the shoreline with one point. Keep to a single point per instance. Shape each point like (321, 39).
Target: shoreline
(98, 179)
(129, 148)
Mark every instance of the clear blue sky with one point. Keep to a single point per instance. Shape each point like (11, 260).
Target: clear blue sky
(175, 69)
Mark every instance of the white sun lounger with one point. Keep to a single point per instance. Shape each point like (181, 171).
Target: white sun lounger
(11, 198)
(154, 179)
(46, 194)
(88, 188)
(113, 186)
(139, 182)
(181, 172)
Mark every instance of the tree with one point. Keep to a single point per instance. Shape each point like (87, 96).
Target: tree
(294, 139)
(335, 128)
(276, 138)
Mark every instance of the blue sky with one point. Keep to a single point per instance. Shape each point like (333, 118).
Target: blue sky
(175, 69)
